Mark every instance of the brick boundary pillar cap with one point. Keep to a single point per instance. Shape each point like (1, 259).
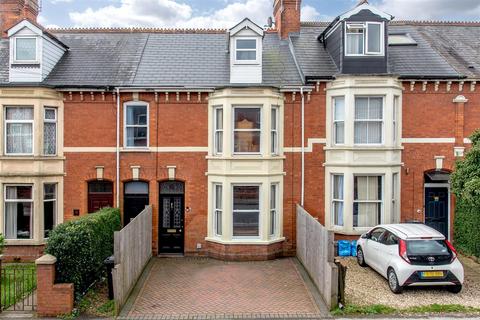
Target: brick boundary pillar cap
(46, 259)
(460, 99)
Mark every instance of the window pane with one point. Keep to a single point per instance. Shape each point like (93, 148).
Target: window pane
(218, 222)
(375, 132)
(19, 192)
(375, 108)
(368, 188)
(246, 55)
(246, 44)
(247, 141)
(50, 114)
(338, 187)
(26, 49)
(274, 142)
(136, 187)
(374, 38)
(49, 191)
(219, 142)
(218, 197)
(14, 113)
(246, 197)
(338, 213)
(355, 43)
(339, 106)
(247, 118)
(219, 118)
(246, 224)
(49, 209)
(339, 131)
(361, 108)
(366, 214)
(361, 132)
(136, 115)
(19, 138)
(100, 187)
(273, 196)
(137, 137)
(274, 119)
(50, 138)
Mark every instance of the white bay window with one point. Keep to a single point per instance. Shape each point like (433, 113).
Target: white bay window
(218, 131)
(50, 132)
(339, 120)
(273, 210)
(337, 199)
(274, 130)
(49, 208)
(217, 208)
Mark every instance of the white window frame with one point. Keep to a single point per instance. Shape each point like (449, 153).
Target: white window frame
(247, 130)
(382, 204)
(6, 122)
(382, 39)
(217, 131)
(55, 216)
(216, 210)
(382, 140)
(334, 200)
(125, 125)
(274, 132)
(366, 52)
(233, 185)
(273, 229)
(334, 106)
(257, 59)
(55, 121)
(14, 58)
(395, 198)
(5, 201)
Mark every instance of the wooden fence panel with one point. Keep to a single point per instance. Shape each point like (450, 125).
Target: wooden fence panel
(133, 250)
(315, 250)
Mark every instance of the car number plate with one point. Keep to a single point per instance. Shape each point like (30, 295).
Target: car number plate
(432, 274)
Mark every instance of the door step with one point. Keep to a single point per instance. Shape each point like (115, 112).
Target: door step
(171, 255)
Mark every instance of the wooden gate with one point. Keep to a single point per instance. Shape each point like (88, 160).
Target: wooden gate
(18, 287)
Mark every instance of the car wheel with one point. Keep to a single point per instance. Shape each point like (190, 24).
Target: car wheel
(360, 257)
(393, 281)
(455, 289)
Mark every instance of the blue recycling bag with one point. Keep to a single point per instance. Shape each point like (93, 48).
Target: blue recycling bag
(354, 248)
(344, 248)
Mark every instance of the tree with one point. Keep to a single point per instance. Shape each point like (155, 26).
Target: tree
(466, 187)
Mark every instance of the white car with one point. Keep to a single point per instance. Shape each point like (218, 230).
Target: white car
(411, 254)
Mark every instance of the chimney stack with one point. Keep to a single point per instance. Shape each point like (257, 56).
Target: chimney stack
(14, 11)
(287, 16)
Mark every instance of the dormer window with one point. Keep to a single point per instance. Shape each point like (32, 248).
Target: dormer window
(364, 39)
(25, 50)
(246, 51)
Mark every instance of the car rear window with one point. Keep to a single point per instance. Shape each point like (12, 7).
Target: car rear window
(427, 247)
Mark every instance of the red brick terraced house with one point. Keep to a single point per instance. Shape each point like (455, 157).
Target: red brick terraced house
(223, 132)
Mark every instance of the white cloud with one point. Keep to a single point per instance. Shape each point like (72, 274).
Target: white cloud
(431, 9)
(309, 13)
(60, 1)
(171, 13)
(44, 22)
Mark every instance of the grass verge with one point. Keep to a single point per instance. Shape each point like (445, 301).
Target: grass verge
(378, 309)
(17, 282)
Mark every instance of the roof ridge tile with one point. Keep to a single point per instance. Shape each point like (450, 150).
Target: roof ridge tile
(137, 30)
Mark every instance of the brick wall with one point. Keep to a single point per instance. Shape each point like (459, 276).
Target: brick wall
(287, 18)
(14, 11)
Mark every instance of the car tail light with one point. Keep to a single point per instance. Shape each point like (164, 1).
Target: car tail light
(452, 249)
(402, 250)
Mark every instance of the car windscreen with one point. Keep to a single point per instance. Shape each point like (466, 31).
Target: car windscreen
(427, 247)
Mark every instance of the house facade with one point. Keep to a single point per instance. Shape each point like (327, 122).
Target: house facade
(359, 120)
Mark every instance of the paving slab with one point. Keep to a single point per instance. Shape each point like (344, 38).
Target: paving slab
(203, 288)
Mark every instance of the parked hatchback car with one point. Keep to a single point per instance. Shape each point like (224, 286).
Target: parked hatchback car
(411, 255)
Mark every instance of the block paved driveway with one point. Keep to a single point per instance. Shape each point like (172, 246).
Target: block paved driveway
(202, 288)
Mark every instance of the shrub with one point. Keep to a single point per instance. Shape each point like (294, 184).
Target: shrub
(81, 246)
(466, 186)
(2, 243)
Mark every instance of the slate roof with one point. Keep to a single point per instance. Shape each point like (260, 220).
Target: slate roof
(200, 58)
(443, 50)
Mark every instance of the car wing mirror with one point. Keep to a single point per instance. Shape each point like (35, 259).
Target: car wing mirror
(365, 236)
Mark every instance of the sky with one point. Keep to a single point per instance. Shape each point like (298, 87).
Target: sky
(227, 13)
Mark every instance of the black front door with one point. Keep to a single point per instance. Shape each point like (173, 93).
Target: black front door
(436, 209)
(171, 235)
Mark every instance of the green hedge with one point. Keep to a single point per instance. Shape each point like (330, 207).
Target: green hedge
(466, 186)
(81, 246)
